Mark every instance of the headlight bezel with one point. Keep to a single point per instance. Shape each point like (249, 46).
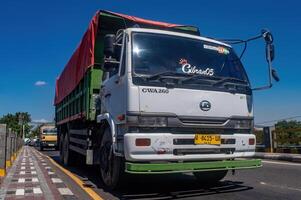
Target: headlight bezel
(245, 124)
(147, 121)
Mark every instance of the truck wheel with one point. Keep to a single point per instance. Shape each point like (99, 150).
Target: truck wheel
(111, 166)
(210, 177)
(67, 153)
(61, 144)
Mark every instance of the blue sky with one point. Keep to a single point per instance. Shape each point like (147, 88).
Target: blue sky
(38, 37)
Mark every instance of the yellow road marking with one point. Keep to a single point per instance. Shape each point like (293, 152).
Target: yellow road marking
(79, 182)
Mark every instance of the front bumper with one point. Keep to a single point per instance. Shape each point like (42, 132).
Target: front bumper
(162, 168)
(49, 144)
(164, 148)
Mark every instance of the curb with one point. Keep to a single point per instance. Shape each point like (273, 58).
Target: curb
(279, 156)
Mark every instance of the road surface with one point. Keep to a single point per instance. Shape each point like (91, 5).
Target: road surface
(275, 180)
(39, 175)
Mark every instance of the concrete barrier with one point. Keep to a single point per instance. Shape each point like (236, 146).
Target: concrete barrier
(3, 135)
(8, 148)
(279, 156)
(10, 144)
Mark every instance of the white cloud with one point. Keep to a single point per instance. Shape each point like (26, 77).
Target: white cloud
(40, 83)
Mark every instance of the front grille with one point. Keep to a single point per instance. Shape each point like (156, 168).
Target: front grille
(191, 141)
(203, 151)
(197, 121)
(181, 130)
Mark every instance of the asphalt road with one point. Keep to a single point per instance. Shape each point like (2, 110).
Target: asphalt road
(275, 180)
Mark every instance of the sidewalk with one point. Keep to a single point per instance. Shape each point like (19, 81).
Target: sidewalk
(279, 156)
(33, 177)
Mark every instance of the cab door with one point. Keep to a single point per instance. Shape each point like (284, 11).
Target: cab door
(113, 89)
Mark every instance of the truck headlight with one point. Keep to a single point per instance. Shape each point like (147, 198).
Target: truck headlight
(153, 121)
(147, 121)
(240, 124)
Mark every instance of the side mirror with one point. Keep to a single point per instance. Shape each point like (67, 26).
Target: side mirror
(270, 49)
(270, 52)
(109, 48)
(267, 35)
(270, 55)
(109, 66)
(275, 75)
(110, 62)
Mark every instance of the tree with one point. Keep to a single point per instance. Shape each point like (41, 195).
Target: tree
(13, 121)
(288, 132)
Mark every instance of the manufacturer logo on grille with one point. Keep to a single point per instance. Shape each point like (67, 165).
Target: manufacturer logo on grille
(205, 105)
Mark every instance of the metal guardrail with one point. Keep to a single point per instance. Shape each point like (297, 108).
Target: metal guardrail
(10, 144)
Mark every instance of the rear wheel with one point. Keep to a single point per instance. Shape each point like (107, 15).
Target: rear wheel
(111, 166)
(67, 153)
(210, 177)
(61, 144)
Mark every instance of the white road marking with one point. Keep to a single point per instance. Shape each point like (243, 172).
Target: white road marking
(37, 190)
(21, 180)
(35, 180)
(65, 191)
(20, 192)
(33, 172)
(56, 180)
(22, 163)
(281, 163)
(47, 167)
(44, 164)
(22, 172)
(31, 167)
(281, 186)
(50, 173)
(23, 167)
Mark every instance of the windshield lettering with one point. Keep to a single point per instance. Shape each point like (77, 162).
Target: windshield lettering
(188, 69)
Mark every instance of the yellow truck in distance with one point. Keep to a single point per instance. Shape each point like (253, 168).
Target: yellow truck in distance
(47, 136)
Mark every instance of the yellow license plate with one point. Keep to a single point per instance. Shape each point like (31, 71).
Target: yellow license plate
(207, 139)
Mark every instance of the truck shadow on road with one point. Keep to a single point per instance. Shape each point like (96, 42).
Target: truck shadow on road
(177, 187)
(172, 186)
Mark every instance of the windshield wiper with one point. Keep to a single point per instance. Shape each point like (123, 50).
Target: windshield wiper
(200, 77)
(165, 73)
(231, 80)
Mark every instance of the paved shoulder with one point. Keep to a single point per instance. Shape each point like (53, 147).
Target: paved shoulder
(33, 176)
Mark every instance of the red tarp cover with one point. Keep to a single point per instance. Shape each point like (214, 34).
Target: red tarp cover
(83, 57)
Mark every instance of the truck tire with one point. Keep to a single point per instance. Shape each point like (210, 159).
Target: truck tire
(111, 166)
(210, 177)
(61, 143)
(68, 155)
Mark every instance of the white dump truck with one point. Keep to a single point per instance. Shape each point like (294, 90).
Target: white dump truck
(146, 97)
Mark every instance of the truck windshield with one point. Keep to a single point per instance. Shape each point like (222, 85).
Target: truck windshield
(160, 54)
(50, 131)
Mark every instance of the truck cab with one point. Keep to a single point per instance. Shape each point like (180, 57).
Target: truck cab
(176, 98)
(47, 137)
